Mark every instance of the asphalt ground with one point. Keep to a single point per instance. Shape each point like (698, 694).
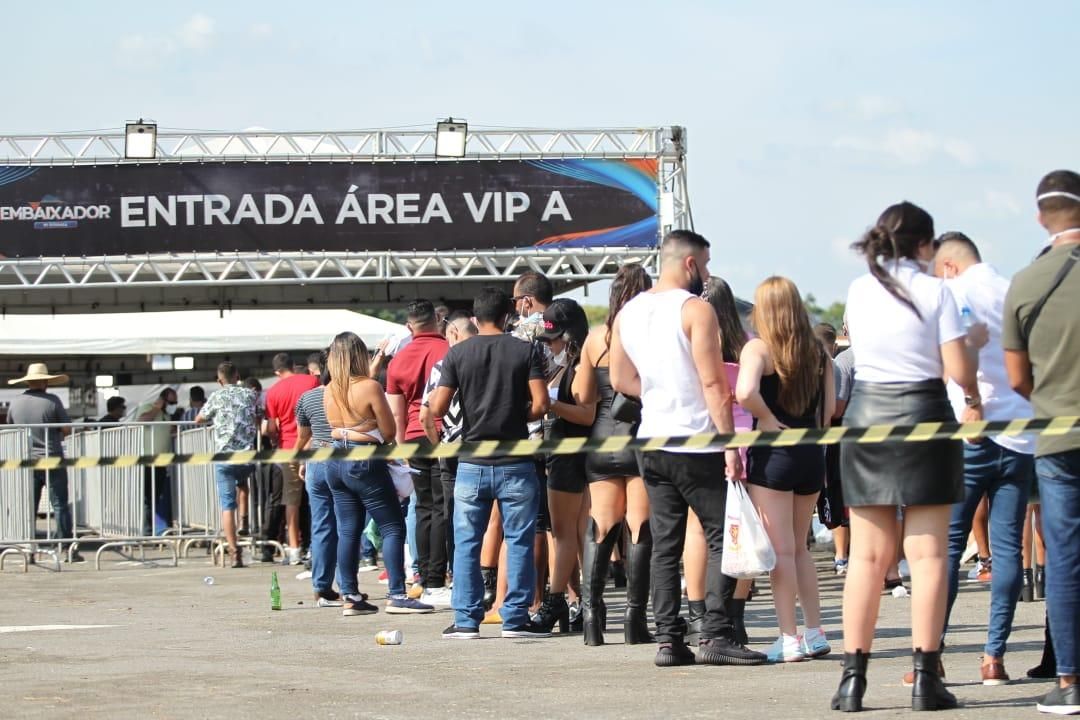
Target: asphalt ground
(169, 645)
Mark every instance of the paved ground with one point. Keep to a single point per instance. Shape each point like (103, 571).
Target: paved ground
(175, 647)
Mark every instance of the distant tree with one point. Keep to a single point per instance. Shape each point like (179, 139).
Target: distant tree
(597, 314)
(833, 314)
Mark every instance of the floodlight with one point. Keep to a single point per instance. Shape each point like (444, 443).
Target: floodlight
(104, 381)
(140, 140)
(450, 136)
(161, 362)
(183, 362)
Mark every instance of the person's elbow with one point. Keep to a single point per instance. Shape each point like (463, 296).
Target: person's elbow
(743, 394)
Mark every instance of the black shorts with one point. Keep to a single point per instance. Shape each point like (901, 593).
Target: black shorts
(566, 473)
(800, 470)
(543, 516)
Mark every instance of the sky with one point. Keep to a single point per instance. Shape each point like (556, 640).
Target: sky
(804, 120)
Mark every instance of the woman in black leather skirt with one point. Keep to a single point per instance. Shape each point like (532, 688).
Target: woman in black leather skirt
(909, 335)
(616, 490)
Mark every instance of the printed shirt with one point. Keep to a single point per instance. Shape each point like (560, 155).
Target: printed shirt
(232, 411)
(529, 329)
(452, 421)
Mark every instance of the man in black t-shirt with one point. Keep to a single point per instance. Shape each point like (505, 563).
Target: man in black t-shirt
(500, 383)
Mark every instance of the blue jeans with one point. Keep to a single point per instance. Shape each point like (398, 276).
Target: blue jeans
(361, 488)
(226, 478)
(1059, 489)
(57, 482)
(516, 488)
(324, 536)
(410, 531)
(1005, 476)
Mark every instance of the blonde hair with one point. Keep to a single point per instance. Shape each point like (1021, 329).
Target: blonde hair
(346, 358)
(782, 323)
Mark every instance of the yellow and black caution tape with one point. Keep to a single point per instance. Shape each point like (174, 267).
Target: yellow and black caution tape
(874, 434)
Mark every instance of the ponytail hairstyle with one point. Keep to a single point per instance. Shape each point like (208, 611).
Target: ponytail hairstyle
(346, 360)
(732, 335)
(782, 323)
(899, 233)
(631, 280)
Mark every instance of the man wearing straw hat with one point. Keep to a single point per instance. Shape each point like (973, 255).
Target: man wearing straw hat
(37, 407)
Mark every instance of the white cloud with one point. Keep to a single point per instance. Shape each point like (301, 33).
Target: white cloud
(910, 147)
(872, 107)
(197, 32)
(994, 204)
(261, 30)
(842, 252)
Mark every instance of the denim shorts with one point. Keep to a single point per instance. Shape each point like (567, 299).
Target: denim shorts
(227, 478)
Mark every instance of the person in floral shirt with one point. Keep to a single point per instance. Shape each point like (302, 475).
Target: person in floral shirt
(232, 410)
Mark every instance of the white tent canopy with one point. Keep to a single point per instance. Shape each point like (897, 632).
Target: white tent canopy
(191, 332)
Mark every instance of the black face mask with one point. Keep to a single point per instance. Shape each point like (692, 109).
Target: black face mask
(697, 284)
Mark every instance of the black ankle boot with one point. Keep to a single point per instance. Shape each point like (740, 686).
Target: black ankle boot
(594, 570)
(1047, 667)
(849, 695)
(1027, 590)
(1040, 582)
(736, 612)
(697, 619)
(928, 692)
(636, 626)
(553, 610)
(491, 581)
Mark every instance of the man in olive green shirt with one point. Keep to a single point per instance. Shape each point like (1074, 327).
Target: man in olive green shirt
(1043, 362)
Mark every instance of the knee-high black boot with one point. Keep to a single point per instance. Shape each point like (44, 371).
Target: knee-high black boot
(928, 692)
(638, 561)
(849, 695)
(1047, 667)
(594, 570)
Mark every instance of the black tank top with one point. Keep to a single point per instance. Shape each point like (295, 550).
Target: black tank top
(559, 427)
(770, 393)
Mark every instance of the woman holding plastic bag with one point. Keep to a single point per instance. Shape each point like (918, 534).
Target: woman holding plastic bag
(786, 381)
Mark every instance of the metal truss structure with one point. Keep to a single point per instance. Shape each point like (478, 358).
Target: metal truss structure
(306, 279)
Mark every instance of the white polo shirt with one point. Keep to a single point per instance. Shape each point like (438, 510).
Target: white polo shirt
(982, 290)
(893, 344)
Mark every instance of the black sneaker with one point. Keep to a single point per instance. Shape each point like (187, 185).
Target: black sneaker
(267, 555)
(674, 654)
(358, 605)
(1061, 701)
(455, 632)
(722, 651)
(528, 630)
(75, 557)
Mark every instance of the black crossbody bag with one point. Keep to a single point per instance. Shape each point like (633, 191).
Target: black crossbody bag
(1029, 321)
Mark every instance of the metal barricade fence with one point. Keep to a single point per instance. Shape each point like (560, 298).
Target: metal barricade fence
(17, 511)
(198, 513)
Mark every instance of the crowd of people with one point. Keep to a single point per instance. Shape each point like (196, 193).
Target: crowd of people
(531, 543)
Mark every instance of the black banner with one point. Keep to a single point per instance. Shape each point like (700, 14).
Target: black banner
(93, 211)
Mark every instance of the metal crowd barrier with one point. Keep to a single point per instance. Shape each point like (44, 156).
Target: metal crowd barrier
(18, 521)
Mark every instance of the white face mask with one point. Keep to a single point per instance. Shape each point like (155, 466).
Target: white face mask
(170, 408)
(561, 358)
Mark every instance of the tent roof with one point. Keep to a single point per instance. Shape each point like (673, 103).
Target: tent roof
(190, 332)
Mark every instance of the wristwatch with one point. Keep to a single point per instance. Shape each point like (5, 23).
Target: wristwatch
(972, 401)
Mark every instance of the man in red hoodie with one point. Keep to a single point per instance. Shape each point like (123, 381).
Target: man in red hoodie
(406, 379)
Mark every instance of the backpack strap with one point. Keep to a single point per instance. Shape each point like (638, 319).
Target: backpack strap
(1029, 321)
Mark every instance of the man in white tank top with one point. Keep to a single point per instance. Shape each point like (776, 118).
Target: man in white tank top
(665, 349)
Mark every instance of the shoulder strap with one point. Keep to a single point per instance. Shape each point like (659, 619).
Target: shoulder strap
(602, 356)
(1029, 321)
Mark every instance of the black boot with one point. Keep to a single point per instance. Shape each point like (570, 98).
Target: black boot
(928, 692)
(1040, 582)
(553, 609)
(1047, 667)
(491, 580)
(594, 569)
(736, 612)
(618, 574)
(1027, 590)
(697, 619)
(638, 559)
(849, 695)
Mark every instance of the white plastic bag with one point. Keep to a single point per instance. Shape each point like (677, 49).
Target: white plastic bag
(747, 550)
(402, 474)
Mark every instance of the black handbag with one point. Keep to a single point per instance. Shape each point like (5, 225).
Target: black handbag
(626, 409)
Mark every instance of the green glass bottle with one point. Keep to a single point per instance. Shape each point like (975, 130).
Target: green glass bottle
(275, 593)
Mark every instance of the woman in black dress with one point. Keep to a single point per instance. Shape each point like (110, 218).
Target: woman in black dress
(909, 335)
(616, 490)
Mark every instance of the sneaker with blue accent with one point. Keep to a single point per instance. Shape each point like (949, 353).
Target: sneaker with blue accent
(405, 605)
(786, 649)
(815, 644)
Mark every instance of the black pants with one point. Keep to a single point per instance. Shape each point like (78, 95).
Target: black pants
(675, 483)
(273, 482)
(448, 467)
(157, 500)
(431, 524)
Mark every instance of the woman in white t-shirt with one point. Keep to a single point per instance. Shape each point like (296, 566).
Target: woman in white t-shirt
(907, 328)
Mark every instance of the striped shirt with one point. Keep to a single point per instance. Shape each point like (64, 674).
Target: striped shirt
(453, 420)
(311, 413)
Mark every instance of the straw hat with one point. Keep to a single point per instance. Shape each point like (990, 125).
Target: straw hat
(39, 371)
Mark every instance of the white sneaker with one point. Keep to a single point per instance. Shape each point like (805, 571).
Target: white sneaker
(292, 555)
(787, 648)
(436, 597)
(815, 644)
